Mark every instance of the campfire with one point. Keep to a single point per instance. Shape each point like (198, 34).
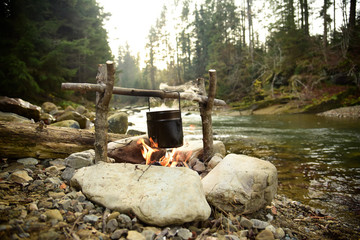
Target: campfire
(171, 158)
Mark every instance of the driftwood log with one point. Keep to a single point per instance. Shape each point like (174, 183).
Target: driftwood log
(20, 140)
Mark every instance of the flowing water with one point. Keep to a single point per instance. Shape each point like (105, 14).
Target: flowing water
(318, 158)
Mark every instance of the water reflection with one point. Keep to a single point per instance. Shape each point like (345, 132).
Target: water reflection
(318, 158)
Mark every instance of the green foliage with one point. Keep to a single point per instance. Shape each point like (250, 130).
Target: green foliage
(45, 43)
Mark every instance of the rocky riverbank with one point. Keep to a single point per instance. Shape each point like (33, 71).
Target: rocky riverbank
(37, 202)
(344, 112)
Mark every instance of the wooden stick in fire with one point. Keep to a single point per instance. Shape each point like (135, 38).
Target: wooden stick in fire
(106, 78)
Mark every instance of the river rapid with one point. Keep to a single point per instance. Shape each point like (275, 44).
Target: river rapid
(317, 158)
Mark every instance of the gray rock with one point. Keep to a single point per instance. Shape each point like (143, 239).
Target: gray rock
(215, 160)
(279, 233)
(119, 233)
(91, 218)
(259, 224)
(83, 121)
(134, 235)
(54, 214)
(13, 117)
(265, 235)
(152, 193)
(47, 118)
(271, 228)
(124, 221)
(111, 225)
(80, 159)
(55, 181)
(68, 173)
(36, 184)
(49, 235)
(20, 177)
(4, 175)
(246, 223)
(20, 107)
(240, 183)
(231, 237)
(118, 123)
(65, 204)
(67, 123)
(56, 195)
(184, 233)
(149, 234)
(81, 109)
(49, 107)
(199, 166)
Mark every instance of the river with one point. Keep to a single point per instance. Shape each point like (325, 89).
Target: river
(317, 158)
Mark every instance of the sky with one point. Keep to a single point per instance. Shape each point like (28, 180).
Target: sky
(130, 22)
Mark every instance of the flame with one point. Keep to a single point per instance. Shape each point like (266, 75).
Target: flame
(171, 159)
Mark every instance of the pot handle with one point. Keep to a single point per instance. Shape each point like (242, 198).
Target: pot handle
(168, 91)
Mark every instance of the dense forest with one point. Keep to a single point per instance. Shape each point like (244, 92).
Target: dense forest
(44, 43)
(49, 42)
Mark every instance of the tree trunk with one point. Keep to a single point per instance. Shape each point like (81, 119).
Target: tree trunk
(105, 76)
(21, 140)
(352, 17)
(251, 39)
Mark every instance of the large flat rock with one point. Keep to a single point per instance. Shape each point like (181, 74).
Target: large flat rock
(157, 195)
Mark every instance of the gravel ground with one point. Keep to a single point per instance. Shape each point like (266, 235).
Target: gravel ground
(40, 204)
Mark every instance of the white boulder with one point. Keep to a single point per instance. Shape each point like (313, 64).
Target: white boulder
(241, 184)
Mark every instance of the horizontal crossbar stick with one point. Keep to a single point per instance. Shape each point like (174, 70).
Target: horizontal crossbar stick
(139, 92)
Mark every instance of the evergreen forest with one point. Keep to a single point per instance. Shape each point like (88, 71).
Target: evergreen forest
(45, 43)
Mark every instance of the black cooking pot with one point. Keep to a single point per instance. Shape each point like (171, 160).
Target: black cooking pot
(165, 127)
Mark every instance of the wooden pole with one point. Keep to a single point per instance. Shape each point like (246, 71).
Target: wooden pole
(205, 113)
(140, 92)
(105, 78)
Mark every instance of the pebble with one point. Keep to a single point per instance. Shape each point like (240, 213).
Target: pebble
(113, 215)
(246, 223)
(111, 225)
(91, 218)
(68, 173)
(119, 233)
(259, 224)
(134, 235)
(124, 221)
(54, 214)
(184, 233)
(279, 233)
(265, 235)
(20, 177)
(28, 161)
